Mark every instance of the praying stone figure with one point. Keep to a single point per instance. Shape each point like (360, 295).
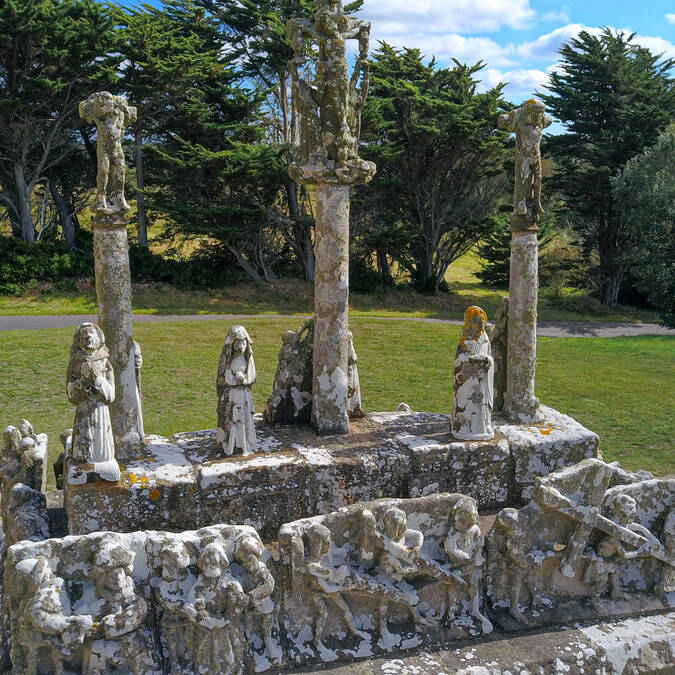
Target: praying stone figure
(473, 381)
(215, 603)
(330, 104)
(90, 384)
(117, 639)
(48, 633)
(529, 122)
(175, 623)
(112, 115)
(236, 374)
(464, 548)
(138, 364)
(258, 584)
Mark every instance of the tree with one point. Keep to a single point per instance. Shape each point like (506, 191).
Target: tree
(167, 52)
(440, 160)
(644, 191)
(52, 55)
(613, 97)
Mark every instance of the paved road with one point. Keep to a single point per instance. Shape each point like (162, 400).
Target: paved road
(544, 329)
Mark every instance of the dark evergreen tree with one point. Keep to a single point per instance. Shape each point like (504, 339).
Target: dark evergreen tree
(613, 97)
(440, 161)
(52, 55)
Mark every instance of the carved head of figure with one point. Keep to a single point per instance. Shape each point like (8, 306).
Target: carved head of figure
(213, 560)
(247, 552)
(465, 514)
(41, 574)
(395, 523)
(175, 559)
(239, 341)
(622, 509)
(534, 113)
(318, 541)
(88, 347)
(475, 323)
(11, 442)
(113, 565)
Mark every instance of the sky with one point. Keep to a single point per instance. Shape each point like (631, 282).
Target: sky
(517, 39)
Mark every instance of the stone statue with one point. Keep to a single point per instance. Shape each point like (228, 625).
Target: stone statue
(215, 603)
(236, 374)
(330, 104)
(667, 578)
(112, 115)
(327, 581)
(528, 122)
(48, 633)
(575, 540)
(90, 384)
(258, 585)
(117, 639)
(464, 548)
(291, 399)
(27, 516)
(176, 625)
(354, 409)
(138, 364)
(473, 381)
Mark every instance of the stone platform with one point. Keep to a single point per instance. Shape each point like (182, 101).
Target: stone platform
(637, 645)
(184, 482)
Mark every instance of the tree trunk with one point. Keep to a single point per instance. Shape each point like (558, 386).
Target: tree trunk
(244, 264)
(140, 184)
(24, 214)
(610, 291)
(66, 214)
(383, 267)
(302, 231)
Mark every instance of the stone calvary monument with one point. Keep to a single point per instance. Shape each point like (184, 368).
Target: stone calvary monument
(316, 533)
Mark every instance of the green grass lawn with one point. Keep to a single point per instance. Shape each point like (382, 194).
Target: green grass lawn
(622, 388)
(296, 297)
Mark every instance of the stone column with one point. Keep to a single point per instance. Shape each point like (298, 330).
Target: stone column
(331, 303)
(112, 115)
(520, 402)
(327, 102)
(113, 296)
(528, 122)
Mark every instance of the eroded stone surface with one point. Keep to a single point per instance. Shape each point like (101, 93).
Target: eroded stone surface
(499, 345)
(382, 575)
(580, 549)
(110, 602)
(185, 482)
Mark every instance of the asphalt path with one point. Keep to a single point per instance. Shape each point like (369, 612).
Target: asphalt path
(579, 329)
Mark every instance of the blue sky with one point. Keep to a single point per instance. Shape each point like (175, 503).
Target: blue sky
(517, 39)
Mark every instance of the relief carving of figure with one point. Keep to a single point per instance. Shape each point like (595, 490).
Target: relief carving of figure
(473, 380)
(528, 122)
(236, 375)
(258, 584)
(354, 409)
(464, 547)
(215, 603)
(90, 384)
(327, 582)
(47, 630)
(112, 115)
(117, 639)
(175, 622)
(138, 364)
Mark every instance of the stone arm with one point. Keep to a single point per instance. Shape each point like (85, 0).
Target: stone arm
(130, 115)
(549, 496)
(104, 385)
(76, 391)
(260, 593)
(51, 623)
(507, 121)
(126, 621)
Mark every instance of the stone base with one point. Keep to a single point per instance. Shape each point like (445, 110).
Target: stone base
(185, 482)
(640, 645)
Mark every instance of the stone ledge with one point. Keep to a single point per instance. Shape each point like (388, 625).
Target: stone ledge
(185, 482)
(637, 645)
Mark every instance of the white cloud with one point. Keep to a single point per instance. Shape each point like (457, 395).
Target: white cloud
(547, 46)
(522, 83)
(670, 18)
(656, 45)
(402, 17)
(445, 47)
(563, 15)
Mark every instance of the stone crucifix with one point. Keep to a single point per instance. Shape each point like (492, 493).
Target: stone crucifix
(112, 115)
(328, 102)
(528, 122)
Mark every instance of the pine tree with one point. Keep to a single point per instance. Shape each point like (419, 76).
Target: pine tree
(613, 97)
(52, 55)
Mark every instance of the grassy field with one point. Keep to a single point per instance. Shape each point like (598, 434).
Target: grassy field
(622, 388)
(296, 297)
